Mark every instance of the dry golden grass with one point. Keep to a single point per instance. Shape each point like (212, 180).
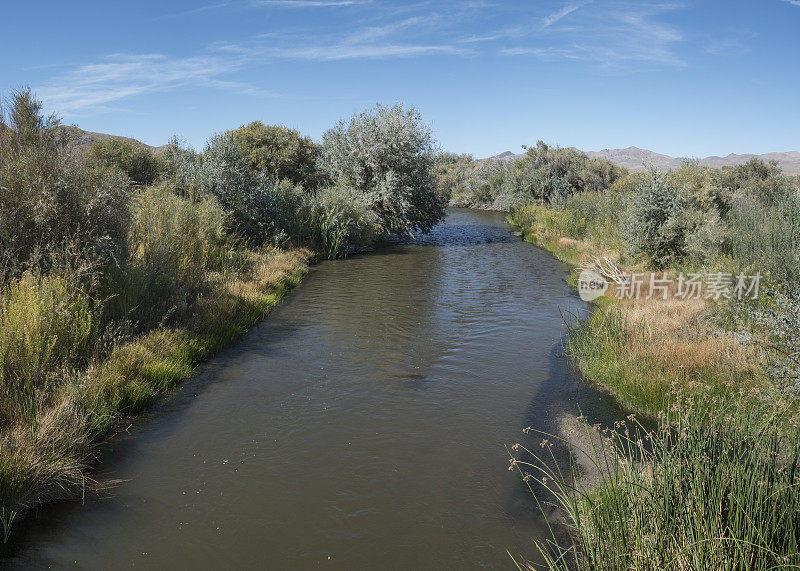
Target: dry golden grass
(642, 349)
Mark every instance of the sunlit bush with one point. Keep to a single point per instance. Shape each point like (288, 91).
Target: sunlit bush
(132, 157)
(46, 322)
(279, 152)
(50, 197)
(654, 223)
(385, 155)
(342, 220)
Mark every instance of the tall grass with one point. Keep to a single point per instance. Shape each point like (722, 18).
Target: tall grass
(714, 487)
(47, 324)
(641, 351)
(767, 238)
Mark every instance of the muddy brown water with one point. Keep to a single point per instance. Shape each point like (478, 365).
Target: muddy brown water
(364, 425)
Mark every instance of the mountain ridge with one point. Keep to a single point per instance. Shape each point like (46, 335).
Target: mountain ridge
(637, 159)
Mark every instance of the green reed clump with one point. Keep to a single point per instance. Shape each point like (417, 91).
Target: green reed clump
(713, 487)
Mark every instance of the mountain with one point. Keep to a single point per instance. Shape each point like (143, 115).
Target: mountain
(86, 138)
(636, 159)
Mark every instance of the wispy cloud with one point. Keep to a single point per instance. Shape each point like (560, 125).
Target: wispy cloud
(612, 35)
(309, 3)
(371, 33)
(342, 52)
(793, 2)
(365, 42)
(120, 76)
(196, 11)
(568, 9)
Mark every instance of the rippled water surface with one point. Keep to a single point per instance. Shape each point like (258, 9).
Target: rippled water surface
(363, 426)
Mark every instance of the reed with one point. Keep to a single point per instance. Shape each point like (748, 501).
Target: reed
(710, 488)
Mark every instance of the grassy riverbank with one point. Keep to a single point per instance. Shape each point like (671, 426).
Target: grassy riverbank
(48, 449)
(642, 349)
(717, 485)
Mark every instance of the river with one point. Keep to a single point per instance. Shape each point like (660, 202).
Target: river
(364, 425)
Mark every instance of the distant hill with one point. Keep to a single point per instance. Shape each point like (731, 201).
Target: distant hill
(636, 159)
(86, 138)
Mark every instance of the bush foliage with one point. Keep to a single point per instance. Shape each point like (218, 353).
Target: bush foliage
(279, 152)
(386, 156)
(131, 157)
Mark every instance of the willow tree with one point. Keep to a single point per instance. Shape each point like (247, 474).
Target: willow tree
(386, 156)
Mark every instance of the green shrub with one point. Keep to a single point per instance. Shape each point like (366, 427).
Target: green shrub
(780, 318)
(767, 239)
(386, 156)
(51, 198)
(253, 202)
(279, 152)
(483, 183)
(180, 166)
(756, 180)
(132, 157)
(654, 222)
(544, 175)
(707, 236)
(47, 323)
(183, 238)
(343, 220)
(452, 173)
(174, 243)
(597, 206)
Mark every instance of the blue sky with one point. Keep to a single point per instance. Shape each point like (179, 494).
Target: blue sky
(682, 78)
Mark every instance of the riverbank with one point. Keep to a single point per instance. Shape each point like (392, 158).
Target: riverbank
(52, 459)
(715, 484)
(643, 350)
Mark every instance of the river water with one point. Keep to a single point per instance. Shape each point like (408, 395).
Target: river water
(364, 425)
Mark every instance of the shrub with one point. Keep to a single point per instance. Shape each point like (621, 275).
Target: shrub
(452, 172)
(543, 175)
(183, 238)
(385, 155)
(259, 208)
(132, 157)
(50, 197)
(252, 200)
(767, 239)
(47, 323)
(653, 220)
(279, 152)
(706, 236)
(483, 183)
(757, 180)
(702, 188)
(597, 206)
(174, 242)
(342, 219)
(181, 167)
(781, 320)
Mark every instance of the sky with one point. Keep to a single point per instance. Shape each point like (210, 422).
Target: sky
(692, 78)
